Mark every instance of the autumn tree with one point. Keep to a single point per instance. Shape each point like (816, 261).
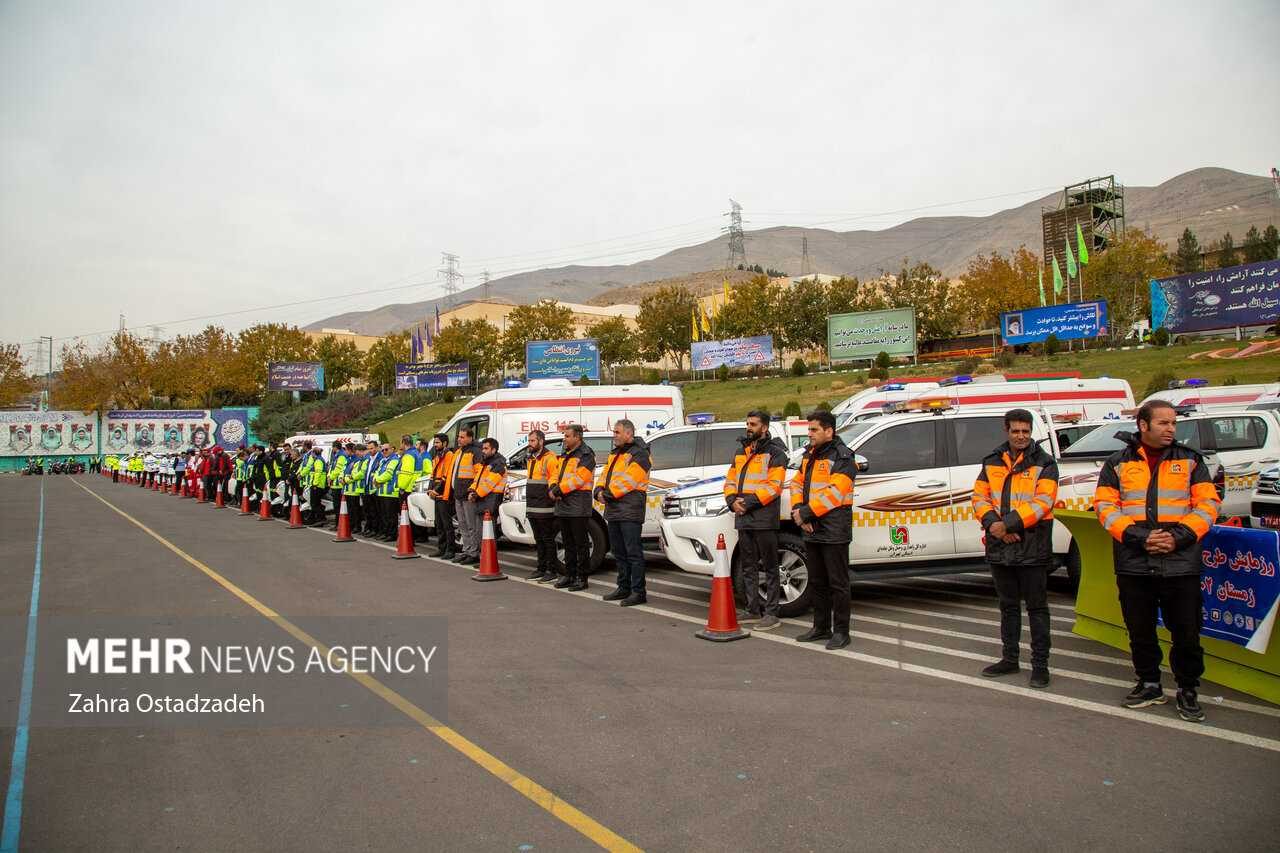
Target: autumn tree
(1121, 275)
(379, 368)
(664, 322)
(1187, 257)
(922, 287)
(477, 341)
(544, 320)
(842, 298)
(15, 383)
(756, 308)
(617, 342)
(342, 361)
(804, 314)
(263, 343)
(117, 376)
(994, 283)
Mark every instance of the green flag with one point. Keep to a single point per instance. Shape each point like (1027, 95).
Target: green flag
(1057, 274)
(1042, 285)
(1081, 249)
(1071, 261)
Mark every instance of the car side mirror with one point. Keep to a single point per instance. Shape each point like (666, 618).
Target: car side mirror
(860, 462)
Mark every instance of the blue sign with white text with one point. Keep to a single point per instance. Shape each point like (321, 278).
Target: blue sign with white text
(1244, 295)
(1239, 586)
(562, 359)
(1069, 321)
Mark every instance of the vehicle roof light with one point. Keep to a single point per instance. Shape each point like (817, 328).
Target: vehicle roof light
(1188, 383)
(962, 379)
(1069, 417)
(893, 386)
(701, 418)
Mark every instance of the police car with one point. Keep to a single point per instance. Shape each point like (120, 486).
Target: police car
(912, 510)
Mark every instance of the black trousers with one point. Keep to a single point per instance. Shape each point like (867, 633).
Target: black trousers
(390, 514)
(544, 541)
(370, 516)
(577, 547)
(318, 494)
(336, 496)
(115, 475)
(760, 554)
(1178, 601)
(1015, 584)
(828, 566)
(444, 525)
(353, 512)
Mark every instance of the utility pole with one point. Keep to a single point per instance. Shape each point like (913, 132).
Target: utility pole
(737, 242)
(805, 269)
(48, 377)
(485, 291)
(452, 278)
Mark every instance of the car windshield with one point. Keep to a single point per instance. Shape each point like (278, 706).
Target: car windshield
(1103, 442)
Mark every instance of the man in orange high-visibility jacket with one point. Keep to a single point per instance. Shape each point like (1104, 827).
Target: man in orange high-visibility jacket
(540, 509)
(575, 472)
(1013, 500)
(463, 466)
(1156, 499)
(822, 507)
(491, 480)
(623, 488)
(751, 491)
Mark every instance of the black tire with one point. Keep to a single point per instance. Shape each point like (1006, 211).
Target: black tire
(797, 595)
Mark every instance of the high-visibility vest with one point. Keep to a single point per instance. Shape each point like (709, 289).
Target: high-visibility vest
(318, 473)
(337, 470)
(354, 478)
(385, 479)
(406, 471)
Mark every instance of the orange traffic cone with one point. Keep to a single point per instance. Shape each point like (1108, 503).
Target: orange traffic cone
(244, 500)
(200, 485)
(722, 619)
(295, 514)
(264, 507)
(344, 523)
(404, 537)
(218, 502)
(488, 553)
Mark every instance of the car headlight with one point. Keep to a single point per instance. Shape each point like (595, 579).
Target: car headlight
(706, 507)
(516, 493)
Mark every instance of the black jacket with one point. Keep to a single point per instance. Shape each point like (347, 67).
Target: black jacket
(1036, 545)
(758, 516)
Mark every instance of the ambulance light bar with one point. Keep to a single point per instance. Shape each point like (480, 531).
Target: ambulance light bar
(962, 379)
(1188, 383)
(893, 386)
(1069, 417)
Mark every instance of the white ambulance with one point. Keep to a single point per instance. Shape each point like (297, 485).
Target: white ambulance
(1208, 398)
(870, 402)
(1087, 399)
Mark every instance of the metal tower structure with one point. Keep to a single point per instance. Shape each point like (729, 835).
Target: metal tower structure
(805, 267)
(485, 281)
(452, 278)
(737, 243)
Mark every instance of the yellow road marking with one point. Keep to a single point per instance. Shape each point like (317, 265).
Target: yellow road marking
(540, 796)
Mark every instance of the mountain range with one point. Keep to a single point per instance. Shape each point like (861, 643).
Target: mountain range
(1211, 201)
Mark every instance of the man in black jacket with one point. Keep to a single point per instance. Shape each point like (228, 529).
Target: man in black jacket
(1156, 499)
(571, 491)
(1013, 500)
(751, 490)
(822, 507)
(623, 488)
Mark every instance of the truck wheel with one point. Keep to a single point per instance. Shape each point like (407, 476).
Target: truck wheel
(795, 596)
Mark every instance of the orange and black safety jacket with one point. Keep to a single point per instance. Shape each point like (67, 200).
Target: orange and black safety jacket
(575, 475)
(623, 484)
(1019, 489)
(822, 490)
(543, 470)
(460, 468)
(490, 483)
(757, 475)
(1131, 504)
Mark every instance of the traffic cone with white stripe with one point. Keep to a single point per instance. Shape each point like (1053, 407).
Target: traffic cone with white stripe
(722, 619)
(200, 485)
(404, 536)
(264, 508)
(489, 570)
(218, 501)
(244, 501)
(344, 522)
(295, 512)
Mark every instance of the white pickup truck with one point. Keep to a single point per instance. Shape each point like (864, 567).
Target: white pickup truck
(912, 512)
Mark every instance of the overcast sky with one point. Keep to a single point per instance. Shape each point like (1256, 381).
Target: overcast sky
(167, 160)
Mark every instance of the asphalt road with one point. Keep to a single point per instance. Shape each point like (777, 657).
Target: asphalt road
(571, 719)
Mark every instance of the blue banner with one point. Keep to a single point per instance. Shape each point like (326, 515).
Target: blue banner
(734, 352)
(1239, 585)
(230, 427)
(1245, 295)
(295, 376)
(1068, 321)
(431, 374)
(562, 359)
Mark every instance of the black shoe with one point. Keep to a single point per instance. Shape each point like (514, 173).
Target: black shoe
(564, 583)
(633, 599)
(447, 555)
(549, 578)
(617, 595)
(471, 561)
(766, 623)
(1189, 706)
(837, 641)
(1004, 666)
(1039, 677)
(537, 575)
(580, 585)
(440, 552)
(1143, 695)
(814, 635)
(751, 617)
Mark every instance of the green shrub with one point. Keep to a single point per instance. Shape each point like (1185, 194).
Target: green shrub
(1004, 358)
(1231, 380)
(1159, 382)
(823, 406)
(722, 373)
(1160, 337)
(791, 409)
(652, 376)
(1052, 346)
(878, 372)
(883, 361)
(799, 368)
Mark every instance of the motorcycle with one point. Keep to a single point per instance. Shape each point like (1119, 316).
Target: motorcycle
(35, 468)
